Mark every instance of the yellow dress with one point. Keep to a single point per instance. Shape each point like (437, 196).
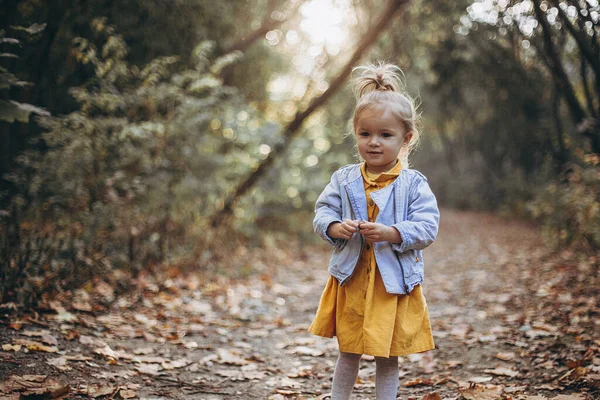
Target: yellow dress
(365, 318)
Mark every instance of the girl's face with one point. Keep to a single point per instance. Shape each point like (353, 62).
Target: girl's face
(380, 135)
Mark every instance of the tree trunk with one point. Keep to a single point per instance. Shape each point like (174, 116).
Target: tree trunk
(292, 129)
(557, 69)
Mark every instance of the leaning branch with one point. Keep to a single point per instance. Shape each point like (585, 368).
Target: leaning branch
(268, 24)
(292, 129)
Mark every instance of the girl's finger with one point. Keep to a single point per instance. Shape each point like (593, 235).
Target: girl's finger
(351, 223)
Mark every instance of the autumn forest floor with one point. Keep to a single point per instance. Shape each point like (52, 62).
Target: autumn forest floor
(511, 320)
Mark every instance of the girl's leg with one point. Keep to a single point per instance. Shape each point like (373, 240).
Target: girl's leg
(386, 378)
(344, 377)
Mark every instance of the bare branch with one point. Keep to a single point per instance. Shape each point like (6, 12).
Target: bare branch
(292, 129)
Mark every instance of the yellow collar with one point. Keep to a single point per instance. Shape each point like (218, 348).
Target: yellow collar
(378, 179)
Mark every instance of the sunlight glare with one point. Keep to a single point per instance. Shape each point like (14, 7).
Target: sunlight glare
(323, 21)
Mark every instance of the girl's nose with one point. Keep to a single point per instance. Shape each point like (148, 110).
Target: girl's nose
(374, 141)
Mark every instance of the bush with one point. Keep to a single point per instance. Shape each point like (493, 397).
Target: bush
(126, 181)
(569, 210)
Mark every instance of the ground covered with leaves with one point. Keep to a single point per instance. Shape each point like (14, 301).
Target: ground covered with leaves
(511, 320)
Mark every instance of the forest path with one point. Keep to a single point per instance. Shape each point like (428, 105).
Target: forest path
(510, 320)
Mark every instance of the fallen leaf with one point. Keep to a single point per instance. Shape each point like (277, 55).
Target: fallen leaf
(305, 351)
(515, 389)
(432, 396)
(97, 390)
(60, 363)
(36, 346)
(11, 347)
(480, 379)
(573, 396)
(508, 356)
(77, 357)
(286, 392)
(34, 385)
(453, 363)
(127, 393)
(116, 354)
(230, 357)
(148, 369)
(478, 392)
(502, 371)
(417, 382)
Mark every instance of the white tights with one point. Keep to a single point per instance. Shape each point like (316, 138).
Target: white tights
(346, 371)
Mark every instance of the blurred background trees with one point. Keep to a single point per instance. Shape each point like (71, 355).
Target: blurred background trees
(150, 116)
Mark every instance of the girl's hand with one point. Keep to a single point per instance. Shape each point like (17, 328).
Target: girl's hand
(375, 232)
(342, 230)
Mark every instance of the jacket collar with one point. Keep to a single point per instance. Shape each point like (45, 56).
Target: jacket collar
(357, 195)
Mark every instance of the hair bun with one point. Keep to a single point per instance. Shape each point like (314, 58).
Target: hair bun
(385, 77)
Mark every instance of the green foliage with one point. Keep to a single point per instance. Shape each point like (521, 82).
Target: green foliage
(569, 210)
(129, 179)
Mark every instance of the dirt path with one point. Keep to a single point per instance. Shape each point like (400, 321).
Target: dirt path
(509, 321)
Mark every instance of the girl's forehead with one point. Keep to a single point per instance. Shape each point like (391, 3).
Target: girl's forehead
(376, 111)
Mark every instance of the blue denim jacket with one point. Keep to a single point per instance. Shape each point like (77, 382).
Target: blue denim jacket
(407, 204)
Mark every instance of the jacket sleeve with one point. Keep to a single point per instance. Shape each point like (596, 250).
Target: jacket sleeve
(328, 210)
(421, 226)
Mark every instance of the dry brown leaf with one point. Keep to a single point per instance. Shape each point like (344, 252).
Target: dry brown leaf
(143, 350)
(11, 347)
(17, 325)
(98, 390)
(574, 374)
(432, 396)
(127, 393)
(515, 389)
(116, 354)
(81, 306)
(30, 385)
(305, 351)
(36, 346)
(148, 369)
(507, 356)
(480, 379)
(487, 338)
(478, 392)
(535, 333)
(170, 365)
(72, 334)
(453, 363)
(60, 363)
(236, 375)
(287, 392)
(573, 396)
(417, 382)
(502, 371)
(149, 359)
(230, 357)
(77, 357)
(548, 387)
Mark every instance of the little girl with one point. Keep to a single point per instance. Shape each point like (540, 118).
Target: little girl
(378, 215)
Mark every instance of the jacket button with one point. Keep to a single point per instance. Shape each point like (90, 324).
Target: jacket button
(371, 203)
(368, 247)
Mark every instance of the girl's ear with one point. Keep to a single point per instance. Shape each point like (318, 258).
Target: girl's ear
(407, 138)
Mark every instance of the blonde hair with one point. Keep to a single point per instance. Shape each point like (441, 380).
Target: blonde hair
(383, 84)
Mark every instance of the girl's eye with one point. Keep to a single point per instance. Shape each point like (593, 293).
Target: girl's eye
(364, 134)
(385, 134)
